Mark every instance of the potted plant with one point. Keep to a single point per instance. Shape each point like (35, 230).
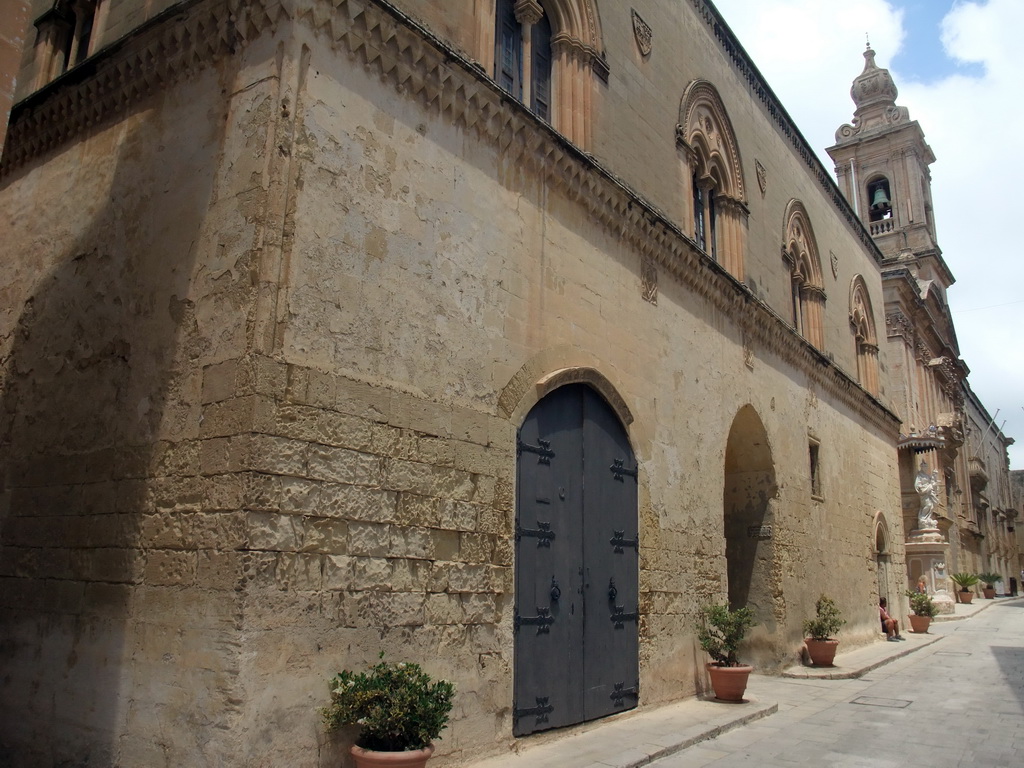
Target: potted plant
(923, 611)
(821, 630)
(989, 580)
(965, 581)
(399, 708)
(720, 632)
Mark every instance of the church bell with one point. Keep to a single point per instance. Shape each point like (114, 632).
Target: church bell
(880, 201)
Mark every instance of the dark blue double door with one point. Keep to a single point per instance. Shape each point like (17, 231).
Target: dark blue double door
(577, 568)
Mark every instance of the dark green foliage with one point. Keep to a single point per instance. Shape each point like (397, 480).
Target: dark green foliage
(720, 631)
(921, 604)
(964, 580)
(827, 621)
(989, 579)
(398, 706)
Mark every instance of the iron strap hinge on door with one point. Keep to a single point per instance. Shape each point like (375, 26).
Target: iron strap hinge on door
(541, 710)
(619, 540)
(542, 533)
(618, 469)
(543, 449)
(620, 692)
(543, 621)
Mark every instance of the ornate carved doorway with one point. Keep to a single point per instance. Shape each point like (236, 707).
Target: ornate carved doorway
(577, 564)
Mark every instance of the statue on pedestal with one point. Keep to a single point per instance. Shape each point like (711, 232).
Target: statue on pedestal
(927, 487)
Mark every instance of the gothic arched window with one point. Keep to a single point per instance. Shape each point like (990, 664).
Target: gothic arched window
(66, 35)
(715, 203)
(545, 54)
(523, 54)
(862, 323)
(800, 250)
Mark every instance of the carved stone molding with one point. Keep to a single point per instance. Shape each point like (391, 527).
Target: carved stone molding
(528, 11)
(642, 33)
(649, 280)
(748, 352)
(405, 55)
(898, 324)
(762, 176)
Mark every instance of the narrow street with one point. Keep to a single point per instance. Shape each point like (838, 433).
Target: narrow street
(958, 702)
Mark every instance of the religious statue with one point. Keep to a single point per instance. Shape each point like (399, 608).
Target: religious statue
(927, 487)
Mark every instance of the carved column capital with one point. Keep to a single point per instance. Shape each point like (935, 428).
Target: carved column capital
(528, 11)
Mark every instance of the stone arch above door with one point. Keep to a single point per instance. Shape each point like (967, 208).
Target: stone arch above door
(558, 366)
(881, 540)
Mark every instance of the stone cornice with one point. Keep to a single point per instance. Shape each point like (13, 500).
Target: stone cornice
(760, 91)
(417, 64)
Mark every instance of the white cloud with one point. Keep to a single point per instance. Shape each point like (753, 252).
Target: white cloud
(809, 51)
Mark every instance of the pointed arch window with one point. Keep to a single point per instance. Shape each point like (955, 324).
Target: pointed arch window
(862, 323)
(523, 55)
(545, 54)
(800, 250)
(66, 36)
(715, 202)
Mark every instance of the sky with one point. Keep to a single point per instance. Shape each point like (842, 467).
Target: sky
(958, 65)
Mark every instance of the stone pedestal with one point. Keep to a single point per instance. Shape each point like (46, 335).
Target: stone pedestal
(927, 551)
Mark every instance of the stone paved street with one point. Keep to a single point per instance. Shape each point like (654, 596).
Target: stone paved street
(952, 697)
(958, 702)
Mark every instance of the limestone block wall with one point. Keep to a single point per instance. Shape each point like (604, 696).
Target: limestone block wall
(291, 309)
(131, 253)
(435, 280)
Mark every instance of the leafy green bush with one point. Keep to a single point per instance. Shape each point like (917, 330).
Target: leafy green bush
(827, 621)
(397, 704)
(964, 580)
(989, 579)
(921, 604)
(720, 631)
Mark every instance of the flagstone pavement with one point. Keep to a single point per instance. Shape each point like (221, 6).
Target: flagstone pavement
(952, 697)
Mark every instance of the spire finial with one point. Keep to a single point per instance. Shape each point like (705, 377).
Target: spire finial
(867, 40)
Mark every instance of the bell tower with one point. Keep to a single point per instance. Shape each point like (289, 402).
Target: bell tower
(882, 164)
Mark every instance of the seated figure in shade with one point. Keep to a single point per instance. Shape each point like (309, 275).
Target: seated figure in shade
(890, 626)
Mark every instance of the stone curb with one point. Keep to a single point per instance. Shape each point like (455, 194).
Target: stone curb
(837, 673)
(638, 739)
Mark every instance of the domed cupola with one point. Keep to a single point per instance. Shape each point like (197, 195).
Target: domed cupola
(874, 86)
(874, 93)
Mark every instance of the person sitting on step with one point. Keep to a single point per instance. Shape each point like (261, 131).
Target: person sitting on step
(890, 626)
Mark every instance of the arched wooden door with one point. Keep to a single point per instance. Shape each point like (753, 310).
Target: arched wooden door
(577, 564)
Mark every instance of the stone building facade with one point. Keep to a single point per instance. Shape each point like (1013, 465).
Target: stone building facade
(993, 509)
(324, 321)
(947, 447)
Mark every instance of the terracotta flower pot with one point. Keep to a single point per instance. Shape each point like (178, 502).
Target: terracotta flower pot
(822, 652)
(966, 597)
(414, 758)
(920, 624)
(729, 682)
(990, 594)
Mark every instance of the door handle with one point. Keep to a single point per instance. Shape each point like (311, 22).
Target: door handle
(556, 591)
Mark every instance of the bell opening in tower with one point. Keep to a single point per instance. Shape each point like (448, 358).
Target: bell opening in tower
(881, 200)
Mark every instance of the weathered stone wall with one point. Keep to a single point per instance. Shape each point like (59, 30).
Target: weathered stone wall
(284, 319)
(13, 31)
(131, 256)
